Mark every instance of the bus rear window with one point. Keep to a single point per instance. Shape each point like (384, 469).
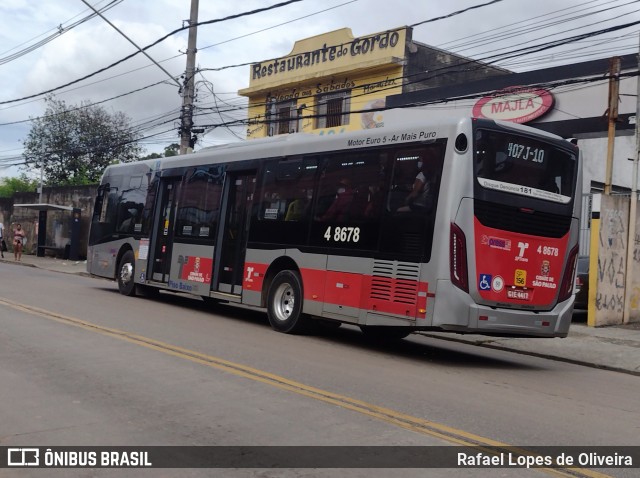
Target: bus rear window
(521, 165)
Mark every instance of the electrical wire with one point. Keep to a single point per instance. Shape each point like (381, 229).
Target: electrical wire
(519, 54)
(59, 31)
(276, 26)
(161, 39)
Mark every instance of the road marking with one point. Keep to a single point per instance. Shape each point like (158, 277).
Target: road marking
(409, 422)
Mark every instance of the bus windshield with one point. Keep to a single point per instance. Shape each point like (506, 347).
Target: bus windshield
(525, 166)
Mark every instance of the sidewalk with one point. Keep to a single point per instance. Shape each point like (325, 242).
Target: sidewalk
(49, 263)
(613, 348)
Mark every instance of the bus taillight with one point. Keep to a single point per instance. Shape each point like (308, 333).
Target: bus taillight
(458, 258)
(566, 287)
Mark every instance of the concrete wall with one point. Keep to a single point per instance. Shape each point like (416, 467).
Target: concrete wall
(612, 251)
(58, 222)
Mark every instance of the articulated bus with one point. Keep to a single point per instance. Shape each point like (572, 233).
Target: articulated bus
(462, 225)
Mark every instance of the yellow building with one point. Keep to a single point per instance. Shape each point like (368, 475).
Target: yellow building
(332, 83)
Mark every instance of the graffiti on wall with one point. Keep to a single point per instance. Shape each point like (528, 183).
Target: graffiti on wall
(611, 274)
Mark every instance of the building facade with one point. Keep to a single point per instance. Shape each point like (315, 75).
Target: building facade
(332, 83)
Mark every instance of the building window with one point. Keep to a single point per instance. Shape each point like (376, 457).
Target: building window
(333, 109)
(282, 118)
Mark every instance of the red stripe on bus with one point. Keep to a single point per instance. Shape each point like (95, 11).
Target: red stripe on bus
(401, 297)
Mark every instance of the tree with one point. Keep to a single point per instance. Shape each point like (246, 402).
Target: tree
(10, 186)
(152, 156)
(171, 150)
(74, 145)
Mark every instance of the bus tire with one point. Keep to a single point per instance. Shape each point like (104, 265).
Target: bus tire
(284, 304)
(383, 332)
(126, 274)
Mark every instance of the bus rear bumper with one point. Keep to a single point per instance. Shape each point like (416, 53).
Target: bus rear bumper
(456, 312)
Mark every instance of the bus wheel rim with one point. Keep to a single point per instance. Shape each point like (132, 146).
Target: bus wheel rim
(126, 273)
(284, 302)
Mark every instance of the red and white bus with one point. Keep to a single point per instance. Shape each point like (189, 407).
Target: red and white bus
(461, 225)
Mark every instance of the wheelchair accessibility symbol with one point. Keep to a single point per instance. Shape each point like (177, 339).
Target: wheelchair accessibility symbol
(484, 282)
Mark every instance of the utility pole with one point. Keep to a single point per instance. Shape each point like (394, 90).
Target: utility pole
(631, 238)
(614, 88)
(189, 89)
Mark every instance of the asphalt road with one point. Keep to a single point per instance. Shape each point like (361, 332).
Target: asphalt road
(82, 365)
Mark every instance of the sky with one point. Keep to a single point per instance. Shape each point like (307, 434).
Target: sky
(45, 44)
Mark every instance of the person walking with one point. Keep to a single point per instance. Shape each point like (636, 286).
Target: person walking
(18, 236)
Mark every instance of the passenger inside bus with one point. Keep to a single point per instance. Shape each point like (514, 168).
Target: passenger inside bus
(340, 207)
(298, 207)
(420, 198)
(376, 198)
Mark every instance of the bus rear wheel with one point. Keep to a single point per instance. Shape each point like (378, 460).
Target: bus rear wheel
(284, 304)
(126, 274)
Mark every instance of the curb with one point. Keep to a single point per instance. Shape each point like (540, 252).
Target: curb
(557, 358)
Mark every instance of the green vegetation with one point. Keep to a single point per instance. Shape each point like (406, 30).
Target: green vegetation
(171, 150)
(9, 186)
(74, 145)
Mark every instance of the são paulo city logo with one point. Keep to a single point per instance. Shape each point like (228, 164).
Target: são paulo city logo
(496, 242)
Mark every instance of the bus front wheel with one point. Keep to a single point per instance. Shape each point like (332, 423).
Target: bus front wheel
(284, 303)
(126, 274)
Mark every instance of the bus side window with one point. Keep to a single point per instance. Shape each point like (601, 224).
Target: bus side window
(282, 212)
(287, 190)
(101, 203)
(147, 211)
(130, 203)
(100, 228)
(407, 231)
(351, 188)
(407, 164)
(417, 175)
(199, 201)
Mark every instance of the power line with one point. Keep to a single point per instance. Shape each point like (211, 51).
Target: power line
(131, 41)
(498, 57)
(453, 14)
(181, 54)
(565, 41)
(161, 39)
(278, 25)
(200, 23)
(88, 105)
(60, 30)
(526, 26)
(432, 102)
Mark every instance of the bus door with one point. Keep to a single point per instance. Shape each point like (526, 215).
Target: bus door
(163, 237)
(232, 235)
